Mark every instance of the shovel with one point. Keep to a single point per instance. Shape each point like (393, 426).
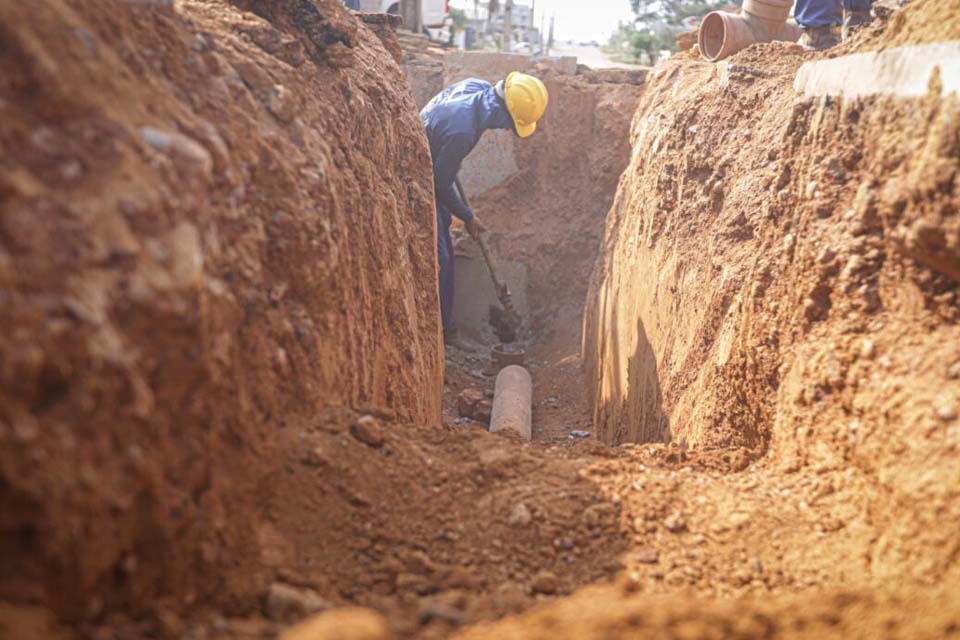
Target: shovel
(506, 321)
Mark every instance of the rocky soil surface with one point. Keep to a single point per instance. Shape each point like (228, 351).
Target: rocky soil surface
(198, 209)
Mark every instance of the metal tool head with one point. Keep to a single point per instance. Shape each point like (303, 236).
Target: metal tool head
(505, 322)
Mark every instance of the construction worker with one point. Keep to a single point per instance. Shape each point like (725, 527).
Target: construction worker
(455, 119)
(819, 20)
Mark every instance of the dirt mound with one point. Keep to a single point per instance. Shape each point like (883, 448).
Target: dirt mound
(780, 275)
(623, 613)
(433, 527)
(205, 234)
(919, 22)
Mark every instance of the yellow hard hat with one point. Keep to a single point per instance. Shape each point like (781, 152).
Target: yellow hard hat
(526, 99)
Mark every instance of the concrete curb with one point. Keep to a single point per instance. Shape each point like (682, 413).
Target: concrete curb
(905, 71)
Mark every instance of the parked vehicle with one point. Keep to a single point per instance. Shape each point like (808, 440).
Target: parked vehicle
(435, 12)
(436, 15)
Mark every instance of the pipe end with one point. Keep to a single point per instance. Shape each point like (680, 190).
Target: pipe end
(711, 37)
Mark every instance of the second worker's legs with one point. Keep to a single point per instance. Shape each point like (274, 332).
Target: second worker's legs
(819, 20)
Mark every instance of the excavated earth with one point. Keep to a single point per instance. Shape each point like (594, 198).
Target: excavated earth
(222, 399)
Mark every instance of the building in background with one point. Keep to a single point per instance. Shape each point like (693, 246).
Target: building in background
(489, 29)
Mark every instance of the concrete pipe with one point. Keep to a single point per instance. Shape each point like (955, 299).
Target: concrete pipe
(512, 398)
(722, 34)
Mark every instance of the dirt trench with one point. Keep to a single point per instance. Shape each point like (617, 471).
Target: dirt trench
(225, 405)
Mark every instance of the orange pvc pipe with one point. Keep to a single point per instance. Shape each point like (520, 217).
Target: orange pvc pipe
(722, 34)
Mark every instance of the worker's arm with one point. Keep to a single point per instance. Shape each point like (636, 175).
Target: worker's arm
(445, 168)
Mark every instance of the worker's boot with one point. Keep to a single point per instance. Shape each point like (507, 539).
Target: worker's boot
(820, 38)
(852, 21)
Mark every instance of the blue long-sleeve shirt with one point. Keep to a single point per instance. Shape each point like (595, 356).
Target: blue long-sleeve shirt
(455, 119)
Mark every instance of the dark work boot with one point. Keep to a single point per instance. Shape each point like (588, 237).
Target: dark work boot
(820, 38)
(852, 21)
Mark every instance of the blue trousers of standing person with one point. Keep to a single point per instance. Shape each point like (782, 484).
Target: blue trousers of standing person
(820, 13)
(445, 258)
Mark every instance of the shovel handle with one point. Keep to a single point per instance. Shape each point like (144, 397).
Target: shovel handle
(498, 285)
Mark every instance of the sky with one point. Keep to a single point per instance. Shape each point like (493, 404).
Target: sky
(580, 20)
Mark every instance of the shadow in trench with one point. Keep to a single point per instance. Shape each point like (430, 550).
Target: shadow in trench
(637, 414)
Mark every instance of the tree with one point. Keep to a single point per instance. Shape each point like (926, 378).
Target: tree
(630, 43)
(459, 19)
(492, 7)
(657, 24)
(671, 13)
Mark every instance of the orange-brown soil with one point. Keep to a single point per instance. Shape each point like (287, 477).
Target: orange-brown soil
(222, 406)
(197, 211)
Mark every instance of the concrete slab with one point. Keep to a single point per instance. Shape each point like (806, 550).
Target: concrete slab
(490, 164)
(903, 71)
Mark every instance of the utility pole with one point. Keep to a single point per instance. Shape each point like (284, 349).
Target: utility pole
(528, 28)
(550, 37)
(508, 26)
(543, 18)
(418, 16)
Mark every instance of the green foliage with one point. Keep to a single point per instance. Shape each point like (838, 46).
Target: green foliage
(656, 26)
(630, 43)
(459, 17)
(672, 12)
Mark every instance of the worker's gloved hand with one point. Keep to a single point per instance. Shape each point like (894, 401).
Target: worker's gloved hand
(475, 227)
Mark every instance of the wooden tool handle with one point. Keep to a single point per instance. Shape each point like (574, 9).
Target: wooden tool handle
(503, 294)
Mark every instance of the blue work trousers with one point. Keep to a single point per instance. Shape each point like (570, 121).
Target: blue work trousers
(445, 258)
(820, 13)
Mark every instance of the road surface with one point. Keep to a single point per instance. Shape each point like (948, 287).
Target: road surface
(593, 57)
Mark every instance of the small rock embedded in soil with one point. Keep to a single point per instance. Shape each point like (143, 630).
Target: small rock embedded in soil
(473, 404)
(520, 516)
(180, 148)
(286, 603)
(675, 523)
(650, 556)
(281, 104)
(434, 610)
(544, 582)
(563, 543)
(317, 457)
(368, 431)
(346, 623)
(945, 410)
(595, 515)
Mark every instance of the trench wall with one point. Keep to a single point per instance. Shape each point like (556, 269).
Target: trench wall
(788, 283)
(208, 235)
